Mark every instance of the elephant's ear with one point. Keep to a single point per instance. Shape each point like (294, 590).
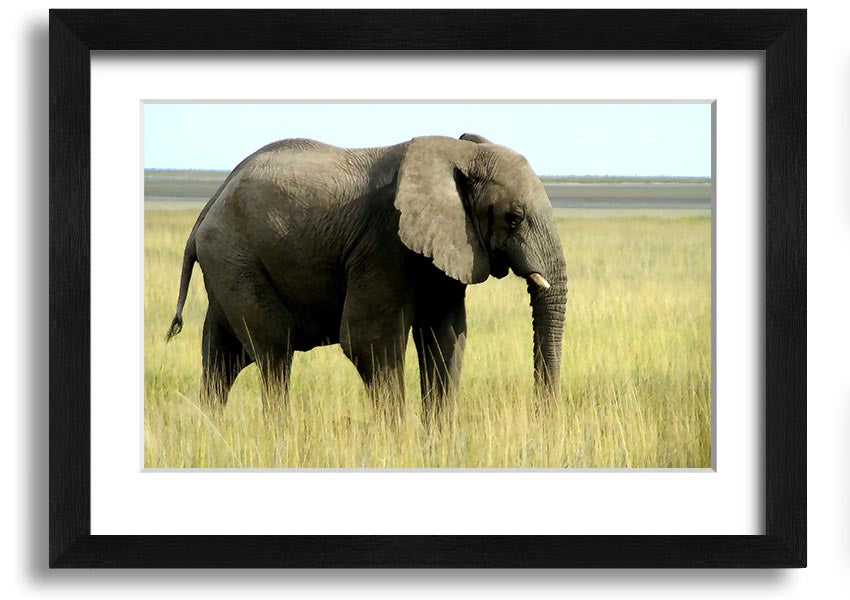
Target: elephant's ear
(433, 220)
(474, 137)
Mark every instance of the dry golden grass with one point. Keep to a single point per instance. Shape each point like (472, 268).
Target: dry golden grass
(635, 380)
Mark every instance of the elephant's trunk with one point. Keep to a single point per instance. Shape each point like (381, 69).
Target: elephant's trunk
(547, 307)
(547, 314)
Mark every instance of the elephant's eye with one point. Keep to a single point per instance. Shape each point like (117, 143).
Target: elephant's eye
(514, 219)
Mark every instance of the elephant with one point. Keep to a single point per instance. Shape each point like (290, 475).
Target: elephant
(306, 244)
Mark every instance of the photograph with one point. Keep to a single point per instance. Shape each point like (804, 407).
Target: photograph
(428, 285)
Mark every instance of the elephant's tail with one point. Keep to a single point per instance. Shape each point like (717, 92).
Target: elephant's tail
(189, 258)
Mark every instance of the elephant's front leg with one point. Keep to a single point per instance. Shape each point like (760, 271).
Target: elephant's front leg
(373, 334)
(439, 332)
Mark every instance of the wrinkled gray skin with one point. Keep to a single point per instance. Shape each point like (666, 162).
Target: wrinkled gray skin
(306, 244)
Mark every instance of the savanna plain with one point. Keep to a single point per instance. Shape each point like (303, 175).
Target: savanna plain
(635, 380)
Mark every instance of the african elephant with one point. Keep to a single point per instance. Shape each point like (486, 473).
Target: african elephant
(306, 244)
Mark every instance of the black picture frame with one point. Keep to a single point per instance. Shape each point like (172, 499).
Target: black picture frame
(780, 34)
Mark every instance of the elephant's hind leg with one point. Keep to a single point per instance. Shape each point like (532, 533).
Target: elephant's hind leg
(222, 360)
(261, 322)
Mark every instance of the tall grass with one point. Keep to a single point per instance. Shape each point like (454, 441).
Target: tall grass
(635, 378)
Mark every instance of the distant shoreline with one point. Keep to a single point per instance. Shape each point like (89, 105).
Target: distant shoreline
(567, 192)
(546, 179)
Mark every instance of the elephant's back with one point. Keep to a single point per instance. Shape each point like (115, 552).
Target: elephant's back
(296, 145)
(300, 186)
(311, 171)
(296, 194)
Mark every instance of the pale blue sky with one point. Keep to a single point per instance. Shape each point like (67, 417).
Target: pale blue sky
(558, 139)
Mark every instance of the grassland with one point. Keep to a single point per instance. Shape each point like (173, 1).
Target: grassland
(635, 381)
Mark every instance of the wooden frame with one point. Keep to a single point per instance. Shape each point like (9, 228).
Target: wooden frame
(781, 34)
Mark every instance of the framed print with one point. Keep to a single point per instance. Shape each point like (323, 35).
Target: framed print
(652, 416)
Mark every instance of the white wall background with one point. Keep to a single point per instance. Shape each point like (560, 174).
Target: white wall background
(23, 443)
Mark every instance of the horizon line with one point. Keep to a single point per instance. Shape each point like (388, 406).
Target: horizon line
(550, 175)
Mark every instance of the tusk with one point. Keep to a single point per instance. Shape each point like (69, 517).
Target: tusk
(539, 280)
